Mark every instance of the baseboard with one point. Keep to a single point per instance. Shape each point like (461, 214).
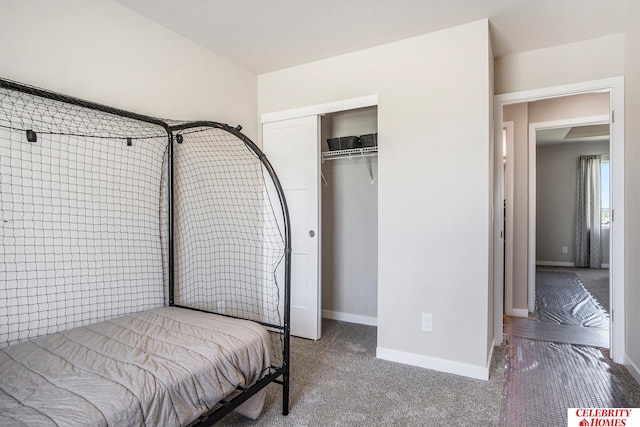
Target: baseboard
(519, 312)
(632, 368)
(351, 318)
(556, 263)
(442, 365)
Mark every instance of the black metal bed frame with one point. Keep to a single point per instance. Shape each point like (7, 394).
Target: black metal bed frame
(279, 375)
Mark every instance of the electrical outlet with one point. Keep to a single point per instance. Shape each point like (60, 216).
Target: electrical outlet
(565, 250)
(427, 322)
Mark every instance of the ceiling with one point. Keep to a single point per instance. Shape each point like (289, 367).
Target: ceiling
(267, 35)
(588, 133)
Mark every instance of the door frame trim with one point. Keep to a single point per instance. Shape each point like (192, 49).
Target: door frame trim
(615, 87)
(508, 220)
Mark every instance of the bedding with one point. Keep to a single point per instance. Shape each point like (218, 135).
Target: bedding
(162, 367)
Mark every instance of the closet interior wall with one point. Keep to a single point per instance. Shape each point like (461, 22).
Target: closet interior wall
(350, 223)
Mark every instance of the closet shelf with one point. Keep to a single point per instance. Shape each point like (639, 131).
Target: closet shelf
(351, 154)
(354, 152)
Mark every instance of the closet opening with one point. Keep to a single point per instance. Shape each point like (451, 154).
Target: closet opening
(349, 212)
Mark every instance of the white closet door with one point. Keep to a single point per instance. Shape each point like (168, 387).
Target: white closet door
(292, 147)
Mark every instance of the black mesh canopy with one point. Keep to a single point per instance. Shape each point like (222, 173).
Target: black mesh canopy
(105, 213)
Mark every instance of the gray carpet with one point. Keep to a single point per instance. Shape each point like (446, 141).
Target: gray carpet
(337, 381)
(597, 283)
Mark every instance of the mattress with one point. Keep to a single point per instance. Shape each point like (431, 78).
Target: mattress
(159, 367)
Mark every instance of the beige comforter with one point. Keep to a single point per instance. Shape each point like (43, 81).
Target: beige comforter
(162, 367)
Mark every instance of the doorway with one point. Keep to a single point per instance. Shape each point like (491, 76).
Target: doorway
(555, 148)
(569, 261)
(612, 88)
(350, 216)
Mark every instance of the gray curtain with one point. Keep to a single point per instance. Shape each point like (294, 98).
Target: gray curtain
(588, 250)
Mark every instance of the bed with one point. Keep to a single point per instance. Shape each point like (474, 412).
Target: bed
(158, 367)
(145, 267)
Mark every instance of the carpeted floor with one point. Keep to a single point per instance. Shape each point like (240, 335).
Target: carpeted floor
(337, 381)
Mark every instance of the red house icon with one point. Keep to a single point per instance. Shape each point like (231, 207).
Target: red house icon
(584, 422)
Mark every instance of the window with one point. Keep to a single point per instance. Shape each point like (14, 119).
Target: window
(604, 182)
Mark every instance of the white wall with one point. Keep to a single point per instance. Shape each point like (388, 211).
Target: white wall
(571, 63)
(569, 107)
(434, 189)
(632, 189)
(103, 52)
(350, 224)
